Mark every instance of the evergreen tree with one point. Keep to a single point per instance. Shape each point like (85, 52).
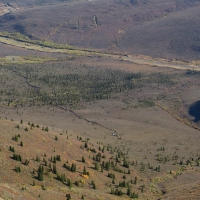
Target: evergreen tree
(40, 176)
(86, 145)
(83, 159)
(96, 166)
(112, 191)
(21, 144)
(128, 192)
(135, 181)
(54, 169)
(84, 170)
(69, 183)
(73, 167)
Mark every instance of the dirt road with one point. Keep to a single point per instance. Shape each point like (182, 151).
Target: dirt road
(138, 59)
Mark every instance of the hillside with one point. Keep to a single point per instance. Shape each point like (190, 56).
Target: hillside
(23, 153)
(137, 27)
(38, 163)
(129, 128)
(31, 3)
(174, 36)
(99, 100)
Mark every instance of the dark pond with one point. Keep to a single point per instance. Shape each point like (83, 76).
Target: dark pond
(194, 111)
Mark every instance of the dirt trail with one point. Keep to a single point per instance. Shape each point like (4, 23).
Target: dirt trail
(161, 62)
(138, 59)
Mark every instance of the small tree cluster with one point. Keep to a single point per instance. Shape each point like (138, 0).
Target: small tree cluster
(17, 169)
(12, 149)
(71, 168)
(17, 157)
(61, 178)
(15, 138)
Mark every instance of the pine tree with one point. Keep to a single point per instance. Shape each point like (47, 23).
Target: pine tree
(56, 138)
(58, 158)
(83, 159)
(93, 185)
(54, 169)
(128, 192)
(86, 145)
(112, 191)
(69, 183)
(21, 144)
(84, 170)
(40, 176)
(135, 181)
(96, 166)
(37, 159)
(73, 167)
(101, 168)
(18, 169)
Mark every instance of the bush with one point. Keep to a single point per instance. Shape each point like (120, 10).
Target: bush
(17, 169)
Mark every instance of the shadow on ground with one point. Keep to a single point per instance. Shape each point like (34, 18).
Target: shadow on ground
(194, 111)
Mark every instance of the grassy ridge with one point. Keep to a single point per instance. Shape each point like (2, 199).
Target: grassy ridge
(45, 43)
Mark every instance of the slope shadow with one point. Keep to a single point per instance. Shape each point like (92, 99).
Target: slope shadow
(194, 111)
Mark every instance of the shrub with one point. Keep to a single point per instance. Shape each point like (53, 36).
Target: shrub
(17, 169)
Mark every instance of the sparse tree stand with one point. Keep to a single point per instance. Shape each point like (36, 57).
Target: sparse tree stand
(62, 178)
(17, 157)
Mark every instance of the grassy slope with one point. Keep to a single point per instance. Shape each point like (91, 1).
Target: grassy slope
(37, 143)
(146, 138)
(174, 36)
